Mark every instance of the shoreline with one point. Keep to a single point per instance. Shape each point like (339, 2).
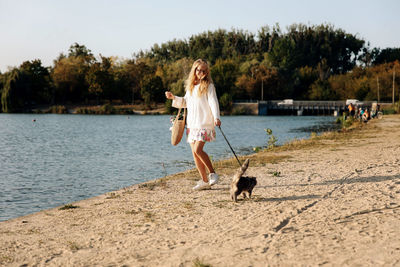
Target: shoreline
(325, 200)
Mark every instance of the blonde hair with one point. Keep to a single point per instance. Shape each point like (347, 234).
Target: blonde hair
(191, 80)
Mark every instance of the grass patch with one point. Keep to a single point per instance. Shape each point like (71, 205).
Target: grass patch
(149, 186)
(128, 191)
(73, 246)
(132, 212)
(68, 207)
(149, 216)
(112, 196)
(198, 263)
(276, 174)
(263, 158)
(153, 184)
(33, 231)
(6, 259)
(229, 166)
(221, 203)
(188, 205)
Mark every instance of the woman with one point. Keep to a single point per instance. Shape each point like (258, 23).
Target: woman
(202, 115)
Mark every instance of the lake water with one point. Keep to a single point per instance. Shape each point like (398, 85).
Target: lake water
(59, 159)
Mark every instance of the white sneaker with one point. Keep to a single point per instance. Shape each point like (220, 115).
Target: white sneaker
(213, 178)
(201, 185)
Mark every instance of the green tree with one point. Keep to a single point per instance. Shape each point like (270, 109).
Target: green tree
(313, 43)
(386, 55)
(226, 102)
(81, 51)
(69, 74)
(100, 79)
(95, 78)
(264, 42)
(131, 74)
(302, 79)
(224, 74)
(40, 89)
(152, 90)
(178, 88)
(174, 72)
(283, 54)
(245, 87)
(320, 90)
(268, 80)
(69, 78)
(13, 95)
(310, 45)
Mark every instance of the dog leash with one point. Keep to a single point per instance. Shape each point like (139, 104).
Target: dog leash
(240, 164)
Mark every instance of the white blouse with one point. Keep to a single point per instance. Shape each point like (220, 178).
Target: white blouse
(201, 110)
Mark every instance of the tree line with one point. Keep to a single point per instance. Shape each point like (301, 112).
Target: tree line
(307, 62)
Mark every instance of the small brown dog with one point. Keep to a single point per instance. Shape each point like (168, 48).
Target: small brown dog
(242, 184)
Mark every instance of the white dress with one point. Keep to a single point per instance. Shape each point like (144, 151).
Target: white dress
(201, 113)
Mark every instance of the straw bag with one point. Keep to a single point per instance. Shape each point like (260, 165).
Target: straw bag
(178, 127)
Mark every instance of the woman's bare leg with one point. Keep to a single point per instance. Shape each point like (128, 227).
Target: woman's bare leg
(199, 164)
(198, 152)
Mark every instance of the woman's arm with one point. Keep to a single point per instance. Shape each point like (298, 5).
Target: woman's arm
(177, 102)
(214, 105)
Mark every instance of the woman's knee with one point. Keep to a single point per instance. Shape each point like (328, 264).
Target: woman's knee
(195, 156)
(198, 150)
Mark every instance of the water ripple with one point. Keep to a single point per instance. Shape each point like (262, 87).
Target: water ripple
(64, 158)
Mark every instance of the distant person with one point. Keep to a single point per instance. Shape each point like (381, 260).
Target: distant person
(356, 112)
(351, 110)
(365, 115)
(373, 111)
(361, 114)
(202, 116)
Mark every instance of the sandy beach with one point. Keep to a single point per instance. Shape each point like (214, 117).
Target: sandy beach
(331, 201)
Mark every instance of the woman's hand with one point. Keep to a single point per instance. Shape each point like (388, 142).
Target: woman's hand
(169, 95)
(217, 122)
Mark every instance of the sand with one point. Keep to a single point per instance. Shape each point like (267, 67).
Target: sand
(334, 203)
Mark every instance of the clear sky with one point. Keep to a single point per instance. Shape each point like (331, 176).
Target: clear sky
(42, 29)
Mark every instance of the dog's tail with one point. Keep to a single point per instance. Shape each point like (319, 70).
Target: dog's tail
(241, 171)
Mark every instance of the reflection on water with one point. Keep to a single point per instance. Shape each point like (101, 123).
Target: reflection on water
(58, 159)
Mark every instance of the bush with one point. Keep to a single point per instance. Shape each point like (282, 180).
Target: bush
(226, 102)
(272, 139)
(83, 111)
(239, 111)
(345, 121)
(107, 109)
(58, 109)
(389, 111)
